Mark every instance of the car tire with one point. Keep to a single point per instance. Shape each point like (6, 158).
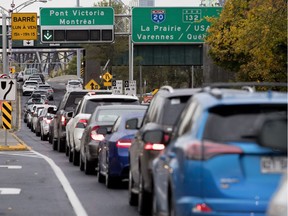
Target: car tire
(101, 177)
(144, 199)
(82, 164)
(54, 143)
(109, 181)
(66, 149)
(133, 197)
(61, 145)
(37, 133)
(70, 155)
(76, 158)
(89, 167)
(44, 137)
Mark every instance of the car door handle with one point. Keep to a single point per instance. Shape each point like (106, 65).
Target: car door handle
(171, 155)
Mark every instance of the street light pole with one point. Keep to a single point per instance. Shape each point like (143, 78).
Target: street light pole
(4, 29)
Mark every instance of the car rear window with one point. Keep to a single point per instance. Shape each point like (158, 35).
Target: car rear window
(110, 116)
(238, 122)
(92, 104)
(31, 83)
(172, 109)
(73, 100)
(74, 83)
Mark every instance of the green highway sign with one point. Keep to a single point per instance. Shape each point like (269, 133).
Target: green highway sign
(156, 25)
(77, 25)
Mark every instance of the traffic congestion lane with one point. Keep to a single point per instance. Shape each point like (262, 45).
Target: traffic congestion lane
(94, 197)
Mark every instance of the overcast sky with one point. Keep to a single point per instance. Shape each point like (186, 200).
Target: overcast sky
(88, 3)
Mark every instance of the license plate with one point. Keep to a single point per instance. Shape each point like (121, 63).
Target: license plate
(273, 164)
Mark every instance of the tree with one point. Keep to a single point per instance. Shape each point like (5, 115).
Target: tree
(250, 38)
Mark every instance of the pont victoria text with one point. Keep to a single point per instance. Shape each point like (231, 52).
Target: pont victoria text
(81, 17)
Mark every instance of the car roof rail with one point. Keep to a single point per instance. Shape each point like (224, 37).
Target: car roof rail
(244, 85)
(167, 88)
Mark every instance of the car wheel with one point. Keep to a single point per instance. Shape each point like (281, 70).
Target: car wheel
(37, 133)
(66, 149)
(75, 158)
(70, 155)
(50, 138)
(171, 206)
(54, 143)
(44, 137)
(81, 166)
(89, 167)
(61, 145)
(133, 197)
(101, 177)
(144, 199)
(109, 181)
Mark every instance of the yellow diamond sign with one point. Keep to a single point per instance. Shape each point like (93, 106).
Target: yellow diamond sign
(107, 76)
(92, 85)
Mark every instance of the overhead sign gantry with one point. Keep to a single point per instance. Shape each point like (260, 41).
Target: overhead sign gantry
(162, 25)
(77, 25)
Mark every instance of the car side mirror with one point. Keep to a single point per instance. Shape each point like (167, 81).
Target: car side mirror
(153, 136)
(273, 133)
(69, 114)
(132, 124)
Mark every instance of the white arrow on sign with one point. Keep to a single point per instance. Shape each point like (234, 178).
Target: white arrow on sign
(48, 36)
(28, 42)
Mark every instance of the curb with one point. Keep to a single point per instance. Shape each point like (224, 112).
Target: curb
(21, 146)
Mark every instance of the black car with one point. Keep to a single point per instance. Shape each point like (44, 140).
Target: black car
(68, 104)
(163, 112)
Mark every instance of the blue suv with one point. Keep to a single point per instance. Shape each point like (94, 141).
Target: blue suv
(213, 164)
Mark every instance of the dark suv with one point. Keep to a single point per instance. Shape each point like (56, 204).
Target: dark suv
(163, 113)
(68, 103)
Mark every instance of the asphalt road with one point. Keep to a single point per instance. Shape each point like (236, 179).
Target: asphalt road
(44, 182)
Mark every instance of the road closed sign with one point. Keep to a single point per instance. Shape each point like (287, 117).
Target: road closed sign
(24, 26)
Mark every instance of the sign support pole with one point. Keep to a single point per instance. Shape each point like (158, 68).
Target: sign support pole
(4, 44)
(130, 58)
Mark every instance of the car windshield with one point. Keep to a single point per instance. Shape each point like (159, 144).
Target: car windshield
(92, 104)
(238, 122)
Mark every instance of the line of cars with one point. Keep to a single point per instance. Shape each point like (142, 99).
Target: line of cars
(190, 152)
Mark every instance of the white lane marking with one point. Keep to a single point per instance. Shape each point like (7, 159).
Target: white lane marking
(9, 191)
(11, 166)
(21, 153)
(75, 202)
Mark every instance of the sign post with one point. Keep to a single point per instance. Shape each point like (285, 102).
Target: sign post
(77, 25)
(171, 25)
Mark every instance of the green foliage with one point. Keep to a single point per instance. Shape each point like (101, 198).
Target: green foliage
(72, 67)
(250, 38)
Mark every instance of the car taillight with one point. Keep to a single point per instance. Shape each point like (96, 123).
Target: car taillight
(47, 121)
(154, 146)
(206, 150)
(201, 207)
(123, 143)
(94, 135)
(63, 120)
(82, 123)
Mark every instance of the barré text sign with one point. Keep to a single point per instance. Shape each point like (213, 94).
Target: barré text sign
(24, 26)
